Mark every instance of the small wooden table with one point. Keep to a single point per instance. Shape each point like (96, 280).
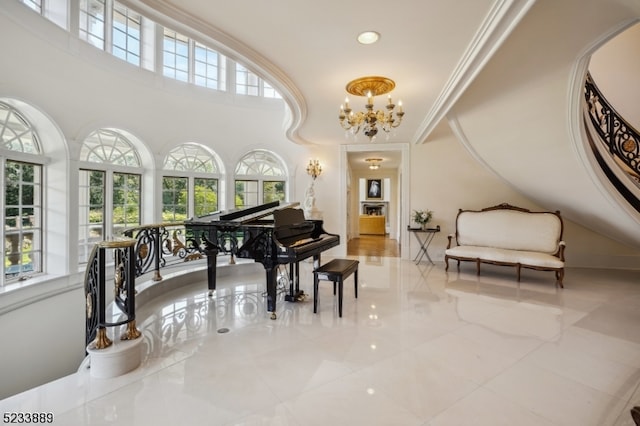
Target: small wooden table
(337, 271)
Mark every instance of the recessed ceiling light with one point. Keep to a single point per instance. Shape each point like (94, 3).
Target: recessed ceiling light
(368, 37)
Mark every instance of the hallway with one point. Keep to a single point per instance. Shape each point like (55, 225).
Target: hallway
(373, 245)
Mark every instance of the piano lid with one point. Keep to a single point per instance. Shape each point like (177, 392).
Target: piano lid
(244, 215)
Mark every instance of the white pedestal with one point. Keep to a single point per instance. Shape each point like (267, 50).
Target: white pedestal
(119, 358)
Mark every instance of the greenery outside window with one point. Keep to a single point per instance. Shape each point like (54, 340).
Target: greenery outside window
(22, 219)
(174, 198)
(91, 211)
(191, 166)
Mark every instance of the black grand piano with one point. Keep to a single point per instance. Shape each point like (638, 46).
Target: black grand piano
(272, 234)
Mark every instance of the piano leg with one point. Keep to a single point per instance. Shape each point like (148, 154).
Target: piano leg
(212, 260)
(295, 295)
(272, 283)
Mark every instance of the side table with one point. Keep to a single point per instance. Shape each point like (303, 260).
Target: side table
(424, 237)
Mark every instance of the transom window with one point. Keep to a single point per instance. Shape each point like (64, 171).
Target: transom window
(34, 4)
(108, 146)
(16, 133)
(22, 214)
(114, 28)
(247, 83)
(175, 62)
(92, 22)
(260, 178)
(127, 29)
(209, 68)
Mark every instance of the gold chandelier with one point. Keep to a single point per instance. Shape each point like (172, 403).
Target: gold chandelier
(370, 120)
(374, 163)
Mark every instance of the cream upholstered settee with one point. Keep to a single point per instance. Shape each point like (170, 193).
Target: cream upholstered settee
(509, 235)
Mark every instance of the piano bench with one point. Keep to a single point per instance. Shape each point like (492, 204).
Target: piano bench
(337, 271)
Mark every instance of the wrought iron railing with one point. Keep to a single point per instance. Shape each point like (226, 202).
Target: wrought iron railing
(161, 245)
(123, 292)
(621, 139)
(621, 143)
(146, 249)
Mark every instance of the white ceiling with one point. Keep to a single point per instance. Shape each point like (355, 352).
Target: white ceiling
(308, 50)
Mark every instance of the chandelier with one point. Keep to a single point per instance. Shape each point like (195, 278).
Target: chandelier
(374, 163)
(370, 120)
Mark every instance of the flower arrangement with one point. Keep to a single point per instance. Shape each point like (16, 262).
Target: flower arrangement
(422, 217)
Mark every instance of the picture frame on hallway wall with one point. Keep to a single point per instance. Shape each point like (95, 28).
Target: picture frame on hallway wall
(374, 189)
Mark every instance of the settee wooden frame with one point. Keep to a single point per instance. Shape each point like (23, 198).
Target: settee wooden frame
(559, 272)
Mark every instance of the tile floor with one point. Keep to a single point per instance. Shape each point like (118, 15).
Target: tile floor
(418, 347)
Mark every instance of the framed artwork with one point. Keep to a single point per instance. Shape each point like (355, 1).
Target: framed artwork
(374, 189)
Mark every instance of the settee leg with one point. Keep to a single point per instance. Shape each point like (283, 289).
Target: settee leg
(446, 261)
(559, 277)
(478, 266)
(518, 267)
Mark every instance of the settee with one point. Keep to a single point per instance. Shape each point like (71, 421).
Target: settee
(510, 236)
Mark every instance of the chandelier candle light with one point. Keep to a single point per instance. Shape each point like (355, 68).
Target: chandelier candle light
(370, 120)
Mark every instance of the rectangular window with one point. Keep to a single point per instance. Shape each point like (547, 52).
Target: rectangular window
(175, 56)
(273, 191)
(34, 4)
(206, 70)
(270, 92)
(247, 83)
(175, 197)
(92, 18)
(205, 196)
(246, 193)
(126, 34)
(91, 211)
(23, 219)
(127, 192)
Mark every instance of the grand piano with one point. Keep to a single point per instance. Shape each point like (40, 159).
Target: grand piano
(272, 234)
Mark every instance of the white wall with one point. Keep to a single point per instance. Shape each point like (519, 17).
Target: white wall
(445, 178)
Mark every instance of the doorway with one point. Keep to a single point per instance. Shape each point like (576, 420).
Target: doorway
(356, 174)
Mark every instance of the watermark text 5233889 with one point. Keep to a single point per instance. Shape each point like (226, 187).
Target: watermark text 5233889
(27, 418)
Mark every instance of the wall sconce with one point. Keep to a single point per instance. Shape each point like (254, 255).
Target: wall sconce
(314, 169)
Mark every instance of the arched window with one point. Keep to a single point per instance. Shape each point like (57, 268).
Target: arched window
(260, 177)
(22, 165)
(190, 183)
(110, 186)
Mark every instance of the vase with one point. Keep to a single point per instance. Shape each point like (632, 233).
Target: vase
(423, 226)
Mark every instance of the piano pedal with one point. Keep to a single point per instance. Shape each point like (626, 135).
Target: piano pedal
(298, 296)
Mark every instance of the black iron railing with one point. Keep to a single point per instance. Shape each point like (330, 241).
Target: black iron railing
(158, 246)
(621, 139)
(122, 261)
(146, 249)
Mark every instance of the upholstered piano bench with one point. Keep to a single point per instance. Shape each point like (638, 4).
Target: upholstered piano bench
(337, 271)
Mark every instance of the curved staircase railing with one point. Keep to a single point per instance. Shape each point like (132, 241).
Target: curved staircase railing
(622, 141)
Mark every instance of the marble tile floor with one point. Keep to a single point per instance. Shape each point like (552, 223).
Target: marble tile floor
(419, 346)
